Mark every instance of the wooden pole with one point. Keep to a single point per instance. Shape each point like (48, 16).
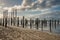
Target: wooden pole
(11, 21)
(26, 22)
(5, 22)
(23, 21)
(18, 21)
(30, 23)
(50, 25)
(58, 22)
(14, 21)
(36, 23)
(42, 25)
(55, 24)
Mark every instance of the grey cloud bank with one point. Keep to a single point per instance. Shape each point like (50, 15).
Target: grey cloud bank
(39, 4)
(31, 4)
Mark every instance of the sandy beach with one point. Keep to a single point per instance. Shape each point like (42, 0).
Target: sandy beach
(11, 33)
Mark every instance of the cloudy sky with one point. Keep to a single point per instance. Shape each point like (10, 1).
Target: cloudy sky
(31, 3)
(10, 2)
(41, 5)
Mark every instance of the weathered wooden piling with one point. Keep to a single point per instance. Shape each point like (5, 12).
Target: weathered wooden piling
(30, 23)
(23, 21)
(58, 22)
(14, 21)
(18, 21)
(55, 24)
(50, 25)
(5, 22)
(11, 21)
(37, 23)
(41, 25)
(52, 22)
(26, 22)
(45, 22)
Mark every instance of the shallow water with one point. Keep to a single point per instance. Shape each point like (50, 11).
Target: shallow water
(45, 28)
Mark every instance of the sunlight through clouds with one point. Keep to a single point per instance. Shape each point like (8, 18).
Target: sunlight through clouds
(30, 4)
(1, 15)
(32, 8)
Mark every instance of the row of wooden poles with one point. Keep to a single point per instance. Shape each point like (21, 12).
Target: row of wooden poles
(24, 23)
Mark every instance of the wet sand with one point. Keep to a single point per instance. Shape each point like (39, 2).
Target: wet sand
(12, 33)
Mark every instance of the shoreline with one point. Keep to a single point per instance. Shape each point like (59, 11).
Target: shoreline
(16, 33)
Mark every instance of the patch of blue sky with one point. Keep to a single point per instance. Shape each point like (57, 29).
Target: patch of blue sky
(56, 8)
(24, 13)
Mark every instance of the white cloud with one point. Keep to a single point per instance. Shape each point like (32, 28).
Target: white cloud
(26, 2)
(38, 4)
(1, 15)
(2, 4)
